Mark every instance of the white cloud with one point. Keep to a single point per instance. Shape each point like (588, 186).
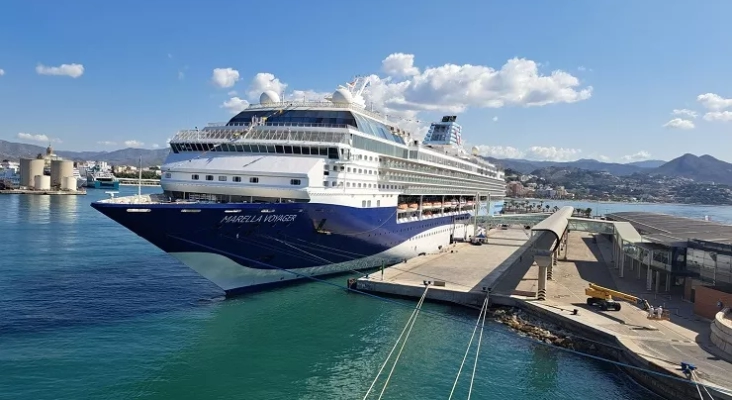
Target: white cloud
(399, 64)
(71, 70)
(581, 68)
(639, 156)
(406, 90)
(224, 77)
(155, 146)
(232, 93)
(538, 153)
(2, 72)
(107, 143)
(724, 116)
(686, 112)
(30, 137)
(133, 143)
(713, 101)
(552, 153)
(499, 151)
(181, 75)
(603, 158)
(235, 105)
(678, 123)
(495, 119)
(264, 81)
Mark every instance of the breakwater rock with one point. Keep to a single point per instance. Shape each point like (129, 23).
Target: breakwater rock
(528, 325)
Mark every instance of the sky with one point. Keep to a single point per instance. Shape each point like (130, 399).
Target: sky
(615, 81)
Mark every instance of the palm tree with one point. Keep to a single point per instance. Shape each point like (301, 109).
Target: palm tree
(588, 212)
(547, 208)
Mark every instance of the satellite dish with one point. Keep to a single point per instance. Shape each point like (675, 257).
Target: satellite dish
(475, 151)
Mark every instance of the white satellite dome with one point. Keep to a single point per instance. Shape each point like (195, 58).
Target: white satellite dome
(342, 96)
(269, 96)
(475, 150)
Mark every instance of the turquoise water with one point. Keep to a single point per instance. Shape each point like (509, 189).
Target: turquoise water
(89, 310)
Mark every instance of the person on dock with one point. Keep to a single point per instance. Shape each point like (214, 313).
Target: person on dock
(651, 312)
(659, 312)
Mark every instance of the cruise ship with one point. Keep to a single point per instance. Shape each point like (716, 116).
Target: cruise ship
(288, 190)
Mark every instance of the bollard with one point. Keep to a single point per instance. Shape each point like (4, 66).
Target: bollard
(541, 294)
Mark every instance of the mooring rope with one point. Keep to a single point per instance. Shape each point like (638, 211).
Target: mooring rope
(483, 310)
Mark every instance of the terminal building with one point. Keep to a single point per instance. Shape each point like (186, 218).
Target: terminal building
(693, 256)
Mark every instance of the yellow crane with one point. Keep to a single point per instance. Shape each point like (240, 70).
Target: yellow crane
(604, 298)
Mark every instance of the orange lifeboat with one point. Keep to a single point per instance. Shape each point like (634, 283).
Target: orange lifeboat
(413, 206)
(402, 206)
(426, 205)
(437, 204)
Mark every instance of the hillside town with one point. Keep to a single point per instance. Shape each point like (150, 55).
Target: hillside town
(579, 184)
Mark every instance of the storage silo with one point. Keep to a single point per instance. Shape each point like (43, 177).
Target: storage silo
(69, 183)
(29, 168)
(60, 169)
(42, 182)
(26, 179)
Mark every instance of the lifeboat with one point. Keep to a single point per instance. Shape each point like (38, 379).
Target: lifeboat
(402, 206)
(454, 203)
(413, 206)
(471, 202)
(426, 205)
(437, 204)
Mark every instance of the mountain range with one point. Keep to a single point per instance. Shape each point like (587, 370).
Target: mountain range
(527, 166)
(704, 168)
(699, 168)
(131, 156)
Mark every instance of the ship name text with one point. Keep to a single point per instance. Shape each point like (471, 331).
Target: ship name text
(252, 219)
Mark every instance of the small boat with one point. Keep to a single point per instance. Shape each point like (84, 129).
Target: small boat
(413, 206)
(437, 204)
(426, 205)
(402, 206)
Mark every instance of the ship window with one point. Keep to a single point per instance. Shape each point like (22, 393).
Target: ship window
(295, 182)
(237, 179)
(167, 174)
(209, 177)
(288, 149)
(314, 151)
(296, 150)
(279, 149)
(368, 204)
(378, 203)
(194, 177)
(222, 178)
(254, 179)
(363, 203)
(306, 150)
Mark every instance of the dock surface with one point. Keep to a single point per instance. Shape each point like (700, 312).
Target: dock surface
(665, 343)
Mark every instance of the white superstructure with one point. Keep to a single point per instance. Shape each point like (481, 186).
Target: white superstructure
(335, 152)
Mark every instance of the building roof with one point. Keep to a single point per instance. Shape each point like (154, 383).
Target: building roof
(670, 229)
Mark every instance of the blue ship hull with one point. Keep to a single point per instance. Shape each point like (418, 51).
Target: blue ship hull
(242, 246)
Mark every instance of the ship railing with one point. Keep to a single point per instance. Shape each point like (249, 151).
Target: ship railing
(228, 125)
(316, 104)
(261, 134)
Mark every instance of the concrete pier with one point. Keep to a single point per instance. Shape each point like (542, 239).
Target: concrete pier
(463, 274)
